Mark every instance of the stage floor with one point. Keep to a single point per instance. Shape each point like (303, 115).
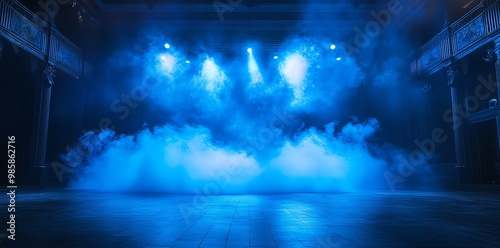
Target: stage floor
(62, 218)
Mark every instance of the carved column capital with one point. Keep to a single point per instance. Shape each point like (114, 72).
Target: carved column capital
(451, 74)
(496, 50)
(50, 74)
(491, 55)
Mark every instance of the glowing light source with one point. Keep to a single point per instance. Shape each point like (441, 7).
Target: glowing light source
(167, 46)
(275, 57)
(187, 62)
(212, 76)
(167, 63)
(249, 50)
(294, 71)
(338, 58)
(253, 69)
(332, 47)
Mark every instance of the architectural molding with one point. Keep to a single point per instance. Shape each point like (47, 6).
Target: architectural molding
(451, 74)
(49, 73)
(26, 30)
(475, 29)
(497, 45)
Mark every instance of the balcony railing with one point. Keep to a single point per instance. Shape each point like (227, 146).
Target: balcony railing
(457, 40)
(25, 29)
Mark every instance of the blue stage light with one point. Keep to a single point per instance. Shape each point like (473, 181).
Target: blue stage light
(275, 57)
(253, 68)
(167, 46)
(249, 50)
(338, 58)
(332, 46)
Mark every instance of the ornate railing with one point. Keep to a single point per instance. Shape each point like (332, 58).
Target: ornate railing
(457, 40)
(25, 29)
(65, 55)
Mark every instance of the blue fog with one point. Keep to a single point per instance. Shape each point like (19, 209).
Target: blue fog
(244, 124)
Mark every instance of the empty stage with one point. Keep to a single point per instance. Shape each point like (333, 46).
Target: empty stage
(63, 218)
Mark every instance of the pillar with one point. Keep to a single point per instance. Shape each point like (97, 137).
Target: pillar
(497, 72)
(496, 56)
(42, 111)
(457, 124)
(43, 119)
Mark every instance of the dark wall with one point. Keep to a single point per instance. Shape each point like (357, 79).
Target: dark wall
(17, 91)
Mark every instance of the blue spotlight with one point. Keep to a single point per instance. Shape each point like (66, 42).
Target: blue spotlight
(253, 68)
(338, 58)
(187, 62)
(167, 46)
(332, 47)
(275, 57)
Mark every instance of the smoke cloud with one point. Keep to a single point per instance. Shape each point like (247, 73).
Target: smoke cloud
(220, 128)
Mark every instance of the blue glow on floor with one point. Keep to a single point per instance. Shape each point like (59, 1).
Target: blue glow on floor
(354, 220)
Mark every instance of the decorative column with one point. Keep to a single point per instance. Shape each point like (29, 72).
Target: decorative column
(49, 74)
(42, 105)
(451, 73)
(495, 56)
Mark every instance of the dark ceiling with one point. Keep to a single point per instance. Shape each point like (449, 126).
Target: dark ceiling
(234, 21)
(268, 21)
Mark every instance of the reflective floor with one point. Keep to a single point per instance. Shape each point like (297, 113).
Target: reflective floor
(368, 219)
